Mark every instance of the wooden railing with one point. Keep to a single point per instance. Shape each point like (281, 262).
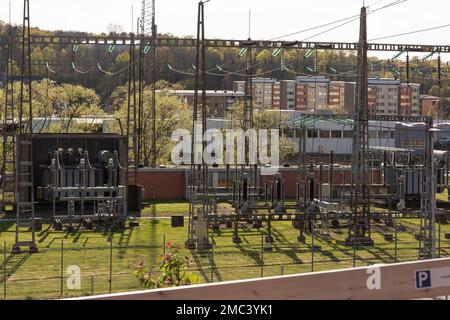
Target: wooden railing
(411, 280)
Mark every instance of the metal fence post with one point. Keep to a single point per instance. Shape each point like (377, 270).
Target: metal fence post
(92, 284)
(212, 256)
(396, 243)
(110, 265)
(439, 240)
(282, 270)
(312, 248)
(4, 271)
(262, 255)
(354, 248)
(62, 267)
(164, 244)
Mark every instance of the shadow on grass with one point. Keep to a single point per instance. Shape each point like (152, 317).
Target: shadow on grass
(6, 222)
(280, 238)
(13, 262)
(198, 263)
(253, 254)
(43, 235)
(216, 274)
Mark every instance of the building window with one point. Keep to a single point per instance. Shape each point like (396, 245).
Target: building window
(336, 134)
(347, 134)
(312, 133)
(384, 134)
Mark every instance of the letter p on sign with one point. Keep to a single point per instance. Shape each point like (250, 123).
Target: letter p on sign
(423, 279)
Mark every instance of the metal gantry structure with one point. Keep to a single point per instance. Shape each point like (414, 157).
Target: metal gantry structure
(147, 41)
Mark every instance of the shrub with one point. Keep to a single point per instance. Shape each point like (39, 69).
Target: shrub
(173, 271)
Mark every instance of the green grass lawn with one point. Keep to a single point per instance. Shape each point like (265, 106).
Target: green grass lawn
(38, 276)
(166, 209)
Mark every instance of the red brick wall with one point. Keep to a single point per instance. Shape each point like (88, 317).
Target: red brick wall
(162, 184)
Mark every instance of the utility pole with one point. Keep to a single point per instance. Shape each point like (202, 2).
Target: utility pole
(360, 202)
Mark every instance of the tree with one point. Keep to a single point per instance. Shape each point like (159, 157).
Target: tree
(434, 91)
(267, 119)
(171, 114)
(65, 101)
(115, 28)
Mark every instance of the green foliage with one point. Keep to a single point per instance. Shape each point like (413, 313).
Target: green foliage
(66, 101)
(171, 114)
(267, 119)
(60, 58)
(173, 271)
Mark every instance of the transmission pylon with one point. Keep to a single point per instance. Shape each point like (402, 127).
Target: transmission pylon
(198, 181)
(427, 246)
(9, 130)
(359, 230)
(148, 29)
(24, 146)
(132, 116)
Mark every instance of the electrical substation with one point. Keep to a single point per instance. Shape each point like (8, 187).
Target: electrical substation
(91, 181)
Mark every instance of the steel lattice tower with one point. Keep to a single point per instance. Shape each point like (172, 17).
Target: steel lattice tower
(24, 147)
(198, 182)
(148, 29)
(360, 185)
(8, 134)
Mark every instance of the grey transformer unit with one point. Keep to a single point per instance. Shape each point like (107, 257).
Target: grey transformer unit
(88, 175)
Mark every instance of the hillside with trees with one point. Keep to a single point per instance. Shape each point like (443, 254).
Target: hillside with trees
(104, 68)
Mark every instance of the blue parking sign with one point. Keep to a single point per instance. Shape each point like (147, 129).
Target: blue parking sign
(423, 279)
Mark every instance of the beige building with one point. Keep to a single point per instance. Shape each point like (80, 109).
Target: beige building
(262, 93)
(313, 91)
(391, 97)
(217, 101)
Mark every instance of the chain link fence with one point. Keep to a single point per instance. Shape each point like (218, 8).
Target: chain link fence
(71, 269)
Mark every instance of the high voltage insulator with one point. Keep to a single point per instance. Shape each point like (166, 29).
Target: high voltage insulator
(276, 52)
(309, 53)
(242, 52)
(398, 55)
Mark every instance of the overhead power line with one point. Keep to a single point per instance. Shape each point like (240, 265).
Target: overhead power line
(411, 32)
(344, 20)
(316, 27)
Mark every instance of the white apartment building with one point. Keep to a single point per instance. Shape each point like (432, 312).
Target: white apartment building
(383, 96)
(262, 93)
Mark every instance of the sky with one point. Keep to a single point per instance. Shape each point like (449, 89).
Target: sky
(230, 18)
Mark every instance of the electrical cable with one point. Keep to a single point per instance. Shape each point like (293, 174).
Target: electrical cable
(344, 20)
(411, 32)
